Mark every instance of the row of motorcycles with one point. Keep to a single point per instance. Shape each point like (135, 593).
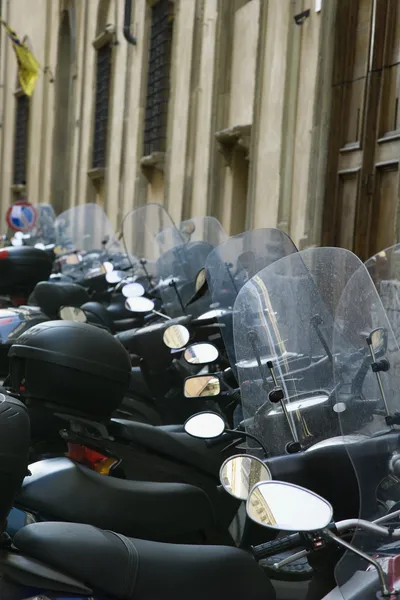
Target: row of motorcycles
(185, 413)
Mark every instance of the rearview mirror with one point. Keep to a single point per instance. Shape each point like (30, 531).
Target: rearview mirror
(176, 337)
(107, 267)
(132, 290)
(72, 313)
(205, 425)
(203, 386)
(139, 304)
(200, 279)
(114, 276)
(378, 340)
(201, 354)
(240, 473)
(288, 507)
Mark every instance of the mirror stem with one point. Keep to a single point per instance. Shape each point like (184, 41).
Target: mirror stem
(378, 376)
(244, 434)
(155, 312)
(381, 574)
(173, 284)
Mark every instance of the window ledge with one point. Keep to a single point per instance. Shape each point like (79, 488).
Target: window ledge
(390, 136)
(106, 37)
(236, 138)
(19, 92)
(96, 173)
(18, 188)
(350, 147)
(155, 160)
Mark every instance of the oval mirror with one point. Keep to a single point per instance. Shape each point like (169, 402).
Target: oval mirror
(139, 304)
(72, 313)
(240, 473)
(114, 276)
(200, 279)
(288, 507)
(378, 340)
(17, 241)
(201, 354)
(205, 425)
(203, 386)
(132, 290)
(176, 337)
(107, 267)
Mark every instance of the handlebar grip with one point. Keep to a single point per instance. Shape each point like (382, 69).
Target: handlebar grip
(277, 546)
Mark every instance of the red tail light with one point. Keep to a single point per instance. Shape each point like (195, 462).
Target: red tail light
(3, 254)
(89, 458)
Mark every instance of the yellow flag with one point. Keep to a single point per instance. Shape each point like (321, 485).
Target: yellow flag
(28, 66)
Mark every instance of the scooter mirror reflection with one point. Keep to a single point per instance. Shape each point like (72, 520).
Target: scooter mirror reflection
(200, 279)
(139, 304)
(114, 276)
(17, 241)
(240, 473)
(132, 290)
(205, 425)
(72, 313)
(378, 338)
(107, 267)
(176, 337)
(201, 354)
(203, 386)
(287, 507)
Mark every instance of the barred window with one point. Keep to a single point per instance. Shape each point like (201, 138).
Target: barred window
(155, 130)
(103, 79)
(21, 139)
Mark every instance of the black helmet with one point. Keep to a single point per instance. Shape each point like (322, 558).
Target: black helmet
(77, 367)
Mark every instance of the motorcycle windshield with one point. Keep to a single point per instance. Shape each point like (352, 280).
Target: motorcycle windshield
(197, 229)
(85, 228)
(140, 229)
(179, 264)
(364, 408)
(384, 269)
(44, 230)
(283, 317)
(233, 263)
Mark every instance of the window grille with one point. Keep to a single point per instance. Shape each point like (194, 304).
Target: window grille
(21, 139)
(158, 83)
(103, 80)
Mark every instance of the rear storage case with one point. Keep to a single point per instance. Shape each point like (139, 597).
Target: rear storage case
(14, 448)
(21, 268)
(77, 368)
(13, 322)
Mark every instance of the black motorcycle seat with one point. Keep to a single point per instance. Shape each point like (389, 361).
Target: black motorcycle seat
(61, 490)
(138, 383)
(130, 569)
(176, 445)
(125, 324)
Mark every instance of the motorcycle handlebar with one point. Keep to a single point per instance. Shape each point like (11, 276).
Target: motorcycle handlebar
(277, 546)
(295, 540)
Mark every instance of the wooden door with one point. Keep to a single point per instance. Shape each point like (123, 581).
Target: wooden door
(362, 194)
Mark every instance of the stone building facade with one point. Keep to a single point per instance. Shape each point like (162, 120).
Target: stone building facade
(222, 107)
